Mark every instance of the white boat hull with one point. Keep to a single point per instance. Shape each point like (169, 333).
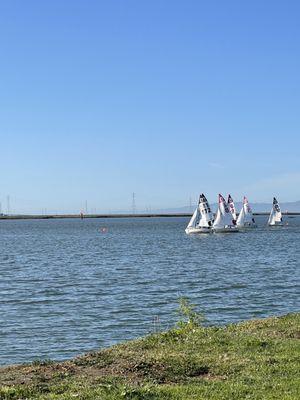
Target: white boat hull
(226, 229)
(193, 230)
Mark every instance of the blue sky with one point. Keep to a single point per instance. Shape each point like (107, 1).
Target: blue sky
(164, 98)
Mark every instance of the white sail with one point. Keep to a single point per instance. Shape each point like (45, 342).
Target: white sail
(275, 215)
(246, 216)
(194, 219)
(223, 217)
(232, 208)
(241, 218)
(271, 220)
(206, 220)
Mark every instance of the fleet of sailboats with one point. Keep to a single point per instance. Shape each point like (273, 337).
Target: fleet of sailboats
(226, 219)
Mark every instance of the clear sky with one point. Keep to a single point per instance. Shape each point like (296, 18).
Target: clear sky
(99, 99)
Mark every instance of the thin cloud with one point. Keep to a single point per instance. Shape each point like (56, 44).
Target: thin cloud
(216, 165)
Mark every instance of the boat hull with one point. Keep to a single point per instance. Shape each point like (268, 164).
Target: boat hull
(190, 231)
(226, 229)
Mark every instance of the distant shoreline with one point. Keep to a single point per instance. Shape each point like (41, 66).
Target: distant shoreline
(105, 216)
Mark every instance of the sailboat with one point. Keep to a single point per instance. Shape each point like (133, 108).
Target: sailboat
(223, 222)
(275, 218)
(232, 209)
(245, 218)
(202, 219)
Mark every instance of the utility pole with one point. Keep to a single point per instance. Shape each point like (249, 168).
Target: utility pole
(133, 205)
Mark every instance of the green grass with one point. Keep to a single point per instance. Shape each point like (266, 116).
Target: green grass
(258, 359)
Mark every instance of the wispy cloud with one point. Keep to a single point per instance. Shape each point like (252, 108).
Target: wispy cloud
(216, 165)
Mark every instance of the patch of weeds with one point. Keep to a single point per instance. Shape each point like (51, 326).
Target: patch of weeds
(171, 369)
(255, 343)
(42, 387)
(42, 363)
(138, 393)
(8, 393)
(180, 369)
(100, 359)
(17, 393)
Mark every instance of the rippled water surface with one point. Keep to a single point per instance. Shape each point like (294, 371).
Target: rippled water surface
(67, 287)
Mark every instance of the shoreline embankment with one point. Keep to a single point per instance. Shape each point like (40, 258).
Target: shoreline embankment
(255, 359)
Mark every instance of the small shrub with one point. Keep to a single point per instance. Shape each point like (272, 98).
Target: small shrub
(189, 317)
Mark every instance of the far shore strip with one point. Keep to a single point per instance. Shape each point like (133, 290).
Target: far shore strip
(137, 215)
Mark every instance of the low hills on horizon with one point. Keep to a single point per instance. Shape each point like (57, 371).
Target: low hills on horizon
(256, 207)
(290, 207)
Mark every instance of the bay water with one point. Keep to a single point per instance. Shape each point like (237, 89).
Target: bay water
(68, 286)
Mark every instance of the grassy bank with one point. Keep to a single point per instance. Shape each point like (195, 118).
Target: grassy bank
(257, 359)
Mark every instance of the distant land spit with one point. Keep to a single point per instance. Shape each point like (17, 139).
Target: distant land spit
(287, 208)
(104, 216)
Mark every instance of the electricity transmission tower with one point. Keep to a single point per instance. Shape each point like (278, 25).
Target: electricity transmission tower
(133, 205)
(8, 204)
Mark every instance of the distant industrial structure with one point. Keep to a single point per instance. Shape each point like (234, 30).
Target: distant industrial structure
(8, 204)
(133, 205)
